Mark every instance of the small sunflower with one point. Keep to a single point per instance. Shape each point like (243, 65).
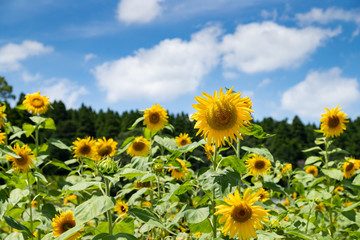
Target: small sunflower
(146, 204)
(139, 147)
(312, 170)
(121, 207)
(286, 168)
(350, 166)
(25, 162)
(257, 165)
(177, 173)
(320, 207)
(84, 147)
(155, 118)
(105, 148)
(333, 122)
(2, 137)
(209, 150)
(2, 116)
(241, 217)
(262, 194)
(63, 223)
(220, 118)
(183, 139)
(338, 189)
(69, 198)
(286, 202)
(34, 203)
(36, 104)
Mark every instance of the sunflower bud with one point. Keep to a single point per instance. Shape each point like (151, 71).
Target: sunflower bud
(107, 166)
(158, 167)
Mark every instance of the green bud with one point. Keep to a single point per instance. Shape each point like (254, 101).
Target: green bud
(158, 167)
(107, 166)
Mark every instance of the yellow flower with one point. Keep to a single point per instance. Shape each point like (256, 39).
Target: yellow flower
(36, 104)
(105, 148)
(350, 167)
(34, 204)
(69, 198)
(25, 162)
(320, 207)
(338, 189)
(2, 116)
(293, 195)
(146, 204)
(220, 118)
(257, 165)
(197, 234)
(84, 147)
(209, 150)
(155, 118)
(121, 207)
(286, 202)
(178, 173)
(241, 216)
(288, 167)
(287, 218)
(312, 170)
(262, 194)
(63, 223)
(139, 147)
(183, 139)
(2, 137)
(333, 122)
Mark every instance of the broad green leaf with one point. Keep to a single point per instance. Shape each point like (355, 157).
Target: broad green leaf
(351, 207)
(264, 152)
(356, 180)
(256, 131)
(59, 144)
(15, 224)
(49, 124)
(130, 173)
(8, 151)
(59, 164)
(177, 189)
(40, 176)
(17, 135)
(235, 163)
(268, 235)
(299, 234)
(196, 215)
(191, 146)
(148, 217)
(312, 149)
(311, 160)
(119, 236)
(49, 211)
(70, 232)
(37, 119)
(166, 142)
(17, 194)
(28, 128)
(136, 123)
(127, 141)
(203, 227)
(125, 226)
(333, 173)
(83, 185)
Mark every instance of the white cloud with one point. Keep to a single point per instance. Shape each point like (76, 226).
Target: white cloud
(138, 11)
(264, 82)
(267, 46)
(230, 75)
(89, 56)
(319, 90)
(11, 54)
(27, 77)
(269, 15)
(172, 68)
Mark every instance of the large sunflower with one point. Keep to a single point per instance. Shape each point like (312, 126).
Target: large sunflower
(139, 147)
(221, 117)
(36, 103)
(25, 162)
(155, 118)
(177, 173)
(350, 167)
(333, 122)
(257, 165)
(2, 116)
(63, 223)
(241, 217)
(312, 170)
(183, 139)
(105, 148)
(84, 148)
(121, 207)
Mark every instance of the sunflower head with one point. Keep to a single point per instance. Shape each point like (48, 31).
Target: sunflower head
(209, 150)
(2, 116)
(350, 166)
(257, 165)
(286, 168)
(139, 147)
(105, 148)
(178, 173)
(25, 162)
(240, 216)
(36, 104)
(220, 117)
(107, 166)
(155, 118)
(121, 207)
(320, 207)
(63, 223)
(84, 148)
(183, 139)
(262, 194)
(2, 137)
(333, 122)
(312, 170)
(70, 198)
(338, 189)
(34, 203)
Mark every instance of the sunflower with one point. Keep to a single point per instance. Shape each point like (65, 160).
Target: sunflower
(25, 162)
(320, 207)
(63, 223)
(257, 165)
(84, 147)
(183, 139)
(312, 170)
(36, 104)
(286, 202)
(220, 118)
(121, 207)
(34, 203)
(155, 118)
(333, 122)
(139, 147)
(209, 150)
(262, 194)
(2, 116)
(105, 148)
(288, 167)
(350, 167)
(146, 204)
(2, 137)
(338, 189)
(69, 198)
(179, 173)
(241, 216)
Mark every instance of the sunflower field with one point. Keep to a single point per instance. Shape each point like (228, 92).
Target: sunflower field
(158, 194)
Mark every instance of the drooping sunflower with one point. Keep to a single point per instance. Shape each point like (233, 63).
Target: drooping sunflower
(257, 165)
(2, 116)
(84, 147)
(139, 147)
(286, 168)
(220, 118)
(240, 216)
(350, 166)
(155, 118)
(183, 139)
(121, 207)
(262, 194)
(312, 170)
(177, 173)
(63, 223)
(105, 148)
(25, 162)
(333, 122)
(338, 189)
(209, 150)
(69, 198)
(2, 137)
(36, 104)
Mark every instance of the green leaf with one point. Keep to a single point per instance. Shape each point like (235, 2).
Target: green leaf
(147, 217)
(83, 185)
(125, 226)
(191, 146)
(312, 159)
(312, 149)
(256, 131)
(8, 151)
(235, 163)
(17, 135)
(70, 232)
(119, 236)
(268, 235)
(333, 173)
(130, 173)
(196, 215)
(28, 128)
(356, 180)
(299, 234)
(49, 124)
(168, 143)
(264, 152)
(15, 224)
(136, 123)
(37, 119)
(40, 176)
(48, 210)
(59, 144)
(351, 207)
(127, 141)
(16, 195)
(203, 227)
(59, 164)
(275, 187)
(177, 189)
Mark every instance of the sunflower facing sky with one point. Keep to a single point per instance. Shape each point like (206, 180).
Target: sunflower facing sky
(177, 173)
(257, 165)
(25, 162)
(84, 147)
(350, 166)
(333, 122)
(139, 147)
(36, 104)
(105, 148)
(312, 170)
(183, 139)
(63, 223)
(121, 208)
(220, 118)
(155, 118)
(240, 216)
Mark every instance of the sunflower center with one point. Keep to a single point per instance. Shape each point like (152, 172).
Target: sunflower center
(349, 167)
(37, 102)
(84, 150)
(183, 142)
(22, 160)
(123, 209)
(221, 115)
(154, 118)
(333, 121)
(138, 146)
(259, 164)
(241, 213)
(312, 171)
(105, 150)
(67, 226)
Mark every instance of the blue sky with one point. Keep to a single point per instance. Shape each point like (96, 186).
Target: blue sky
(290, 57)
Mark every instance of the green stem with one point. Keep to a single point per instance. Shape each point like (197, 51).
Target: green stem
(328, 184)
(107, 189)
(238, 148)
(37, 140)
(214, 157)
(29, 186)
(214, 220)
(307, 224)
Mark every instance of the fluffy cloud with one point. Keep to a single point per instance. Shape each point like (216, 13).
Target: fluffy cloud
(170, 69)
(27, 77)
(11, 54)
(264, 82)
(319, 90)
(138, 11)
(267, 46)
(89, 56)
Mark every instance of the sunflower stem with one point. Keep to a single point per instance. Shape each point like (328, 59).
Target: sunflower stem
(238, 148)
(214, 220)
(328, 183)
(29, 186)
(307, 224)
(107, 189)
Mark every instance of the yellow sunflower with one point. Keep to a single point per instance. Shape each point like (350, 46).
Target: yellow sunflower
(312, 170)
(121, 207)
(320, 207)
(220, 118)
(350, 166)
(2, 116)
(338, 189)
(34, 203)
(333, 122)
(262, 194)
(286, 202)
(177, 173)
(209, 150)
(257, 165)
(2, 137)
(105, 148)
(36, 104)
(25, 162)
(146, 204)
(69, 198)
(241, 217)
(183, 139)
(63, 223)
(155, 118)
(139, 147)
(84, 147)
(288, 167)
